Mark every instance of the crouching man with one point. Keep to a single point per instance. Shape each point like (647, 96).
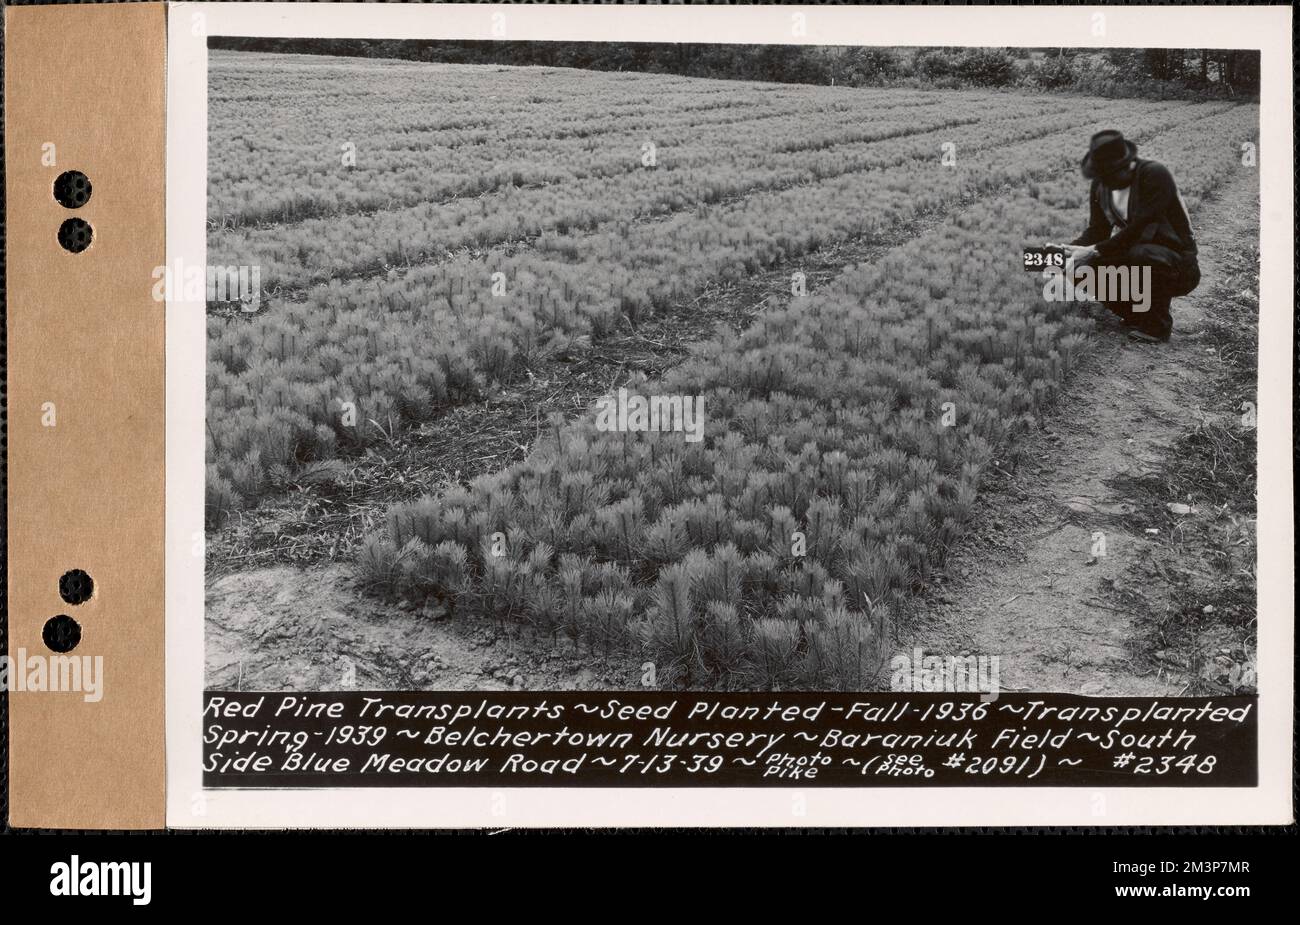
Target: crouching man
(1137, 221)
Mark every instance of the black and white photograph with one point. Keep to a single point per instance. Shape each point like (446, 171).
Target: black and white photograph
(609, 366)
(640, 416)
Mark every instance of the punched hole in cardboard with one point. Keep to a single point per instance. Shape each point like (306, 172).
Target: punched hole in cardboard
(76, 586)
(75, 235)
(72, 189)
(61, 633)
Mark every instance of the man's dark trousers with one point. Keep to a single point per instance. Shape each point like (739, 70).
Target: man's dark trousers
(1172, 274)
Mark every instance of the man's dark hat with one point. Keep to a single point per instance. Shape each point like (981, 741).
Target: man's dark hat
(1107, 151)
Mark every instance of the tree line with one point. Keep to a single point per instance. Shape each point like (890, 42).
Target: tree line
(1149, 72)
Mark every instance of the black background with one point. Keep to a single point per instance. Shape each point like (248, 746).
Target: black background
(962, 874)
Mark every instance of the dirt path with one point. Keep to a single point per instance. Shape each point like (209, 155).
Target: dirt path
(287, 628)
(1024, 586)
(1028, 585)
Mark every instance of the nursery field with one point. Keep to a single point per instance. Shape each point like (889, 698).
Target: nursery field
(429, 233)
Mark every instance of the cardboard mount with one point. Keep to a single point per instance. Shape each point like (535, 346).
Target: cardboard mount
(84, 91)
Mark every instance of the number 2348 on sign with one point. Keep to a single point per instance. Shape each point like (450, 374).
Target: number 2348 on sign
(1042, 258)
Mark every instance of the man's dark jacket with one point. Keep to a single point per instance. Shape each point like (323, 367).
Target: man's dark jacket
(1156, 215)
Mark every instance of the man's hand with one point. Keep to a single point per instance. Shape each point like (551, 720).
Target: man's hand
(1073, 249)
(1075, 255)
